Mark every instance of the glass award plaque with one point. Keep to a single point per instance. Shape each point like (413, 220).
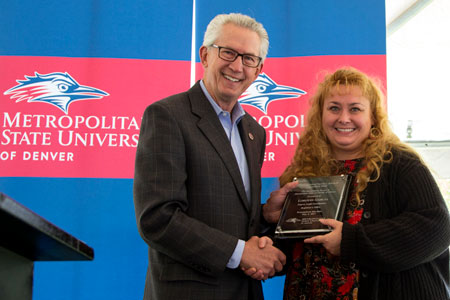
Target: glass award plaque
(312, 199)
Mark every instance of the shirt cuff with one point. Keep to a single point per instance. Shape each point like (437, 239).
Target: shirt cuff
(235, 259)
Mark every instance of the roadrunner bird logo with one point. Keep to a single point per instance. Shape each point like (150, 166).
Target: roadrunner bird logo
(264, 90)
(58, 89)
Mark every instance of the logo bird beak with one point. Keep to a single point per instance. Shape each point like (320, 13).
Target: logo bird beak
(286, 89)
(90, 91)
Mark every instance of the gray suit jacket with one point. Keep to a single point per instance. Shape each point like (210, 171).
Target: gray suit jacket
(190, 202)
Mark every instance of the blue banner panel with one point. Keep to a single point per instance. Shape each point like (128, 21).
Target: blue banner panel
(307, 38)
(100, 28)
(307, 28)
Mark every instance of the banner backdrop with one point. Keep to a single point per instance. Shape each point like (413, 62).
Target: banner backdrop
(76, 76)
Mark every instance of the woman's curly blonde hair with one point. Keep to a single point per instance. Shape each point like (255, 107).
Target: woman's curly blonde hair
(313, 156)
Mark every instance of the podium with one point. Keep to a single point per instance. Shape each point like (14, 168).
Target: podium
(25, 237)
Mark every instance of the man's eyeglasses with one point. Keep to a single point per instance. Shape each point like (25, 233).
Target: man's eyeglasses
(228, 54)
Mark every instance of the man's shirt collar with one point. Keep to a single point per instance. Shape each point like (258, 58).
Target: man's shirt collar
(236, 114)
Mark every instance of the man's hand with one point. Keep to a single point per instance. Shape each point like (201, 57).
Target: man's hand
(252, 272)
(261, 259)
(330, 241)
(272, 208)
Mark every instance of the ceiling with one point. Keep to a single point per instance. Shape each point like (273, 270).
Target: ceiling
(418, 62)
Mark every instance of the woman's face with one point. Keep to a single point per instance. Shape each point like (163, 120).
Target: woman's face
(346, 121)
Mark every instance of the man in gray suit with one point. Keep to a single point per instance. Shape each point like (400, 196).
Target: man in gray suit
(197, 180)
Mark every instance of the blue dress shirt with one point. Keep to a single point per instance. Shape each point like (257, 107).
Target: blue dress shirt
(229, 124)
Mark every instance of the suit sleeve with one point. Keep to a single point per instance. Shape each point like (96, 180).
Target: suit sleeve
(160, 197)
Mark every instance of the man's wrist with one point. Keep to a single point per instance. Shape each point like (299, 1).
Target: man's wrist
(235, 259)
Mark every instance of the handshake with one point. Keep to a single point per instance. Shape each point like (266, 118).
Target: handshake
(260, 259)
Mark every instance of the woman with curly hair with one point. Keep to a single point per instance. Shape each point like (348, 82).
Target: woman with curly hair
(393, 242)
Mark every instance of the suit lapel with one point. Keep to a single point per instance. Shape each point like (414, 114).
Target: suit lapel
(211, 127)
(251, 152)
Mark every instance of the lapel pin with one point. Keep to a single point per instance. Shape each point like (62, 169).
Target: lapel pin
(250, 135)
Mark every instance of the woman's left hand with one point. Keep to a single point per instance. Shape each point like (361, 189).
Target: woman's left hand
(330, 241)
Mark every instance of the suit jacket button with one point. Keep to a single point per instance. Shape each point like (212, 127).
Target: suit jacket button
(367, 215)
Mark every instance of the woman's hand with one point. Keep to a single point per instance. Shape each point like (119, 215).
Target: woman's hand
(330, 241)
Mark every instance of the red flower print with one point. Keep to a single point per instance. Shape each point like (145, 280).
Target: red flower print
(350, 165)
(355, 217)
(326, 277)
(345, 288)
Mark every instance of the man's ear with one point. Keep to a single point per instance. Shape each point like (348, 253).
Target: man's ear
(258, 71)
(203, 53)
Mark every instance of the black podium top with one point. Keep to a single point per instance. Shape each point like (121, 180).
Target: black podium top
(26, 233)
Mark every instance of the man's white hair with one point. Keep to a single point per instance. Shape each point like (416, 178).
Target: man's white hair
(215, 26)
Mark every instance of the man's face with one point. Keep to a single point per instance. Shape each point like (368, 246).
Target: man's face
(225, 80)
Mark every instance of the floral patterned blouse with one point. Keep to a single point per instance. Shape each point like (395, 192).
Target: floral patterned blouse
(313, 273)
